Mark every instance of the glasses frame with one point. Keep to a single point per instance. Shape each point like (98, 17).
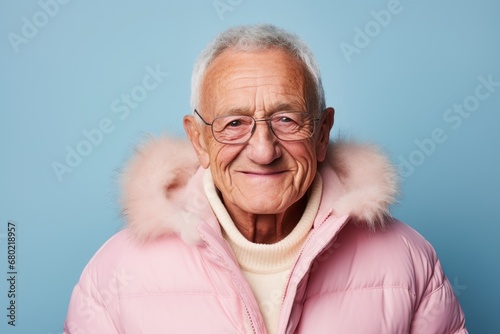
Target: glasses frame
(268, 120)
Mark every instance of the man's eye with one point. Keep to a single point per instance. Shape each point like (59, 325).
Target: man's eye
(234, 123)
(289, 119)
(285, 119)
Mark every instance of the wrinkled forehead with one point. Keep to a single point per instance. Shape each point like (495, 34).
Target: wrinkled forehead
(238, 69)
(272, 60)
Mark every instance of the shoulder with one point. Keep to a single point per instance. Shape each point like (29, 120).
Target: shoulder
(397, 257)
(405, 236)
(124, 261)
(397, 244)
(133, 281)
(385, 274)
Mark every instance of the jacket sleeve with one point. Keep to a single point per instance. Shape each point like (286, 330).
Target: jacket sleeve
(438, 311)
(88, 312)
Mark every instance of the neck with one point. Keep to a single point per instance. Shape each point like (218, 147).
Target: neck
(267, 228)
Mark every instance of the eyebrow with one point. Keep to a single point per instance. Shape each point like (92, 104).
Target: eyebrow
(238, 111)
(274, 109)
(285, 107)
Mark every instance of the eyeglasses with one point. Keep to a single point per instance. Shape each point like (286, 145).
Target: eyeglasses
(238, 129)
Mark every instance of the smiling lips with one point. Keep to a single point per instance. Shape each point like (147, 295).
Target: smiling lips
(262, 174)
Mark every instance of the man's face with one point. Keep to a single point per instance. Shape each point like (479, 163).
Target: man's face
(264, 175)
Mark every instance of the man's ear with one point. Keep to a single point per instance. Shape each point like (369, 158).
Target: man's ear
(196, 137)
(325, 125)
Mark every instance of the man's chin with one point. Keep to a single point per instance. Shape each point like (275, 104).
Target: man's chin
(263, 205)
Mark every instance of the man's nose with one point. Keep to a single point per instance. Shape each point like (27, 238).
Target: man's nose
(263, 146)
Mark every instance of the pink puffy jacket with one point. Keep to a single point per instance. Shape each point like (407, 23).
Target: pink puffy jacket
(170, 270)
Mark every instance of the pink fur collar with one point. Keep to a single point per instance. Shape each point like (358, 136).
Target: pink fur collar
(153, 181)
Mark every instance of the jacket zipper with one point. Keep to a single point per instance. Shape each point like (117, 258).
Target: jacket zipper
(240, 288)
(250, 318)
(311, 236)
(243, 297)
(300, 255)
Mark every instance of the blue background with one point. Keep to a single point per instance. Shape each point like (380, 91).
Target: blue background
(395, 91)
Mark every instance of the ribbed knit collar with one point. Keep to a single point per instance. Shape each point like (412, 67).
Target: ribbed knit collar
(265, 258)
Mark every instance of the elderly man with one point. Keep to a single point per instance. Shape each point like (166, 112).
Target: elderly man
(266, 226)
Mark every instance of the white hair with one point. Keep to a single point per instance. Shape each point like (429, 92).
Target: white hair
(254, 38)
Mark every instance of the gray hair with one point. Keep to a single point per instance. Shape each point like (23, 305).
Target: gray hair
(254, 38)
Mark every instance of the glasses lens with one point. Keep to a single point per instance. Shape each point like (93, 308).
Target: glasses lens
(292, 125)
(232, 129)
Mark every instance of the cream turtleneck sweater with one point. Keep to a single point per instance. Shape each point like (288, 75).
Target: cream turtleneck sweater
(266, 266)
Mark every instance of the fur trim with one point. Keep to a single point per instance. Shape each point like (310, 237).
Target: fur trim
(152, 184)
(370, 182)
(154, 180)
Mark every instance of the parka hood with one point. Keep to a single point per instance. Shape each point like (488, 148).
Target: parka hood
(154, 179)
